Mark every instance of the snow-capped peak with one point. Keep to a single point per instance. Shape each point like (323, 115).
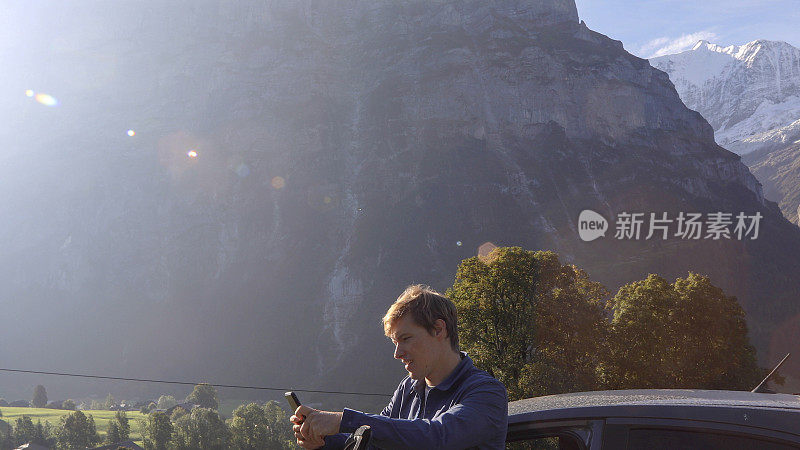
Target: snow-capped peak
(704, 45)
(696, 66)
(772, 50)
(743, 91)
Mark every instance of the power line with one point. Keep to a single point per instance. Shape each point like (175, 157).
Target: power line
(144, 380)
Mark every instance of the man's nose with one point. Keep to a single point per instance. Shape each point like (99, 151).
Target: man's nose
(398, 354)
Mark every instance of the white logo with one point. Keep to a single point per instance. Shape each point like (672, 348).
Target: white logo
(591, 225)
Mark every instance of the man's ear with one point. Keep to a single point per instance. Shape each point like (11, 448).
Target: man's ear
(440, 329)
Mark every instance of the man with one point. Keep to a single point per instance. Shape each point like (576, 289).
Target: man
(443, 403)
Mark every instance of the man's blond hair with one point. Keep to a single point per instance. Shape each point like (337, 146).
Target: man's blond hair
(425, 306)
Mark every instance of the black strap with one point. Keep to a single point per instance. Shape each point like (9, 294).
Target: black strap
(360, 439)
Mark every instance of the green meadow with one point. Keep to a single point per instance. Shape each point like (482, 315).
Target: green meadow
(101, 418)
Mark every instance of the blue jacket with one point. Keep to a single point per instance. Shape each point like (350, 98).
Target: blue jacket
(469, 409)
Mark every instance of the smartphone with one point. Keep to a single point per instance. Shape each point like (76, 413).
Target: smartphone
(291, 397)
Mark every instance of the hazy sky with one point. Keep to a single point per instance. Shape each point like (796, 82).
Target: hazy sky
(656, 27)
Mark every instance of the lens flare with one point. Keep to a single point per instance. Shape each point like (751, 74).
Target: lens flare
(46, 100)
(458, 243)
(278, 182)
(485, 249)
(131, 133)
(327, 200)
(191, 154)
(29, 93)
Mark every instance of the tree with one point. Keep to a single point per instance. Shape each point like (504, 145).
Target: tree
(68, 405)
(40, 434)
(6, 436)
(688, 334)
(44, 434)
(535, 324)
(110, 402)
(121, 418)
(77, 431)
(254, 427)
(156, 431)
(177, 413)
(166, 402)
(146, 409)
(204, 395)
(202, 428)
(24, 431)
(39, 396)
(113, 434)
(119, 429)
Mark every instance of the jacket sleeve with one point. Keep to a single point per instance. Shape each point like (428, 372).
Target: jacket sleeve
(482, 413)
(336, 441)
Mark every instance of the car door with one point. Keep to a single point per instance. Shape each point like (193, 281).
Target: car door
(663, 434)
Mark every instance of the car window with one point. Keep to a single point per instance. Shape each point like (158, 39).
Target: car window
(655, 439)
(547, 443)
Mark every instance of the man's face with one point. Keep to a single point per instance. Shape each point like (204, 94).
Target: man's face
(415, 347)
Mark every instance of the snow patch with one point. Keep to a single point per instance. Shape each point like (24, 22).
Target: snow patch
(695, 66)
(767, 123)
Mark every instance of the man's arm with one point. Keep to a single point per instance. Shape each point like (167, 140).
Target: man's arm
(482, 413)
(336, 441)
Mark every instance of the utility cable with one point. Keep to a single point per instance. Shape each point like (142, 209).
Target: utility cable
(143, 380)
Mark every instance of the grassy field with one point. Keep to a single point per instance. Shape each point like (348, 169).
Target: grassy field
(101, 418)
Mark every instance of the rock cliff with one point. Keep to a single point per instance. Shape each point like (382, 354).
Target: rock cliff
(344, 151)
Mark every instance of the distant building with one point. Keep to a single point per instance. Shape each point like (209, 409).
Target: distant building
(128, 406)
(124, 406)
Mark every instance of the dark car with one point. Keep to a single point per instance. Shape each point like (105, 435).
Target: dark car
(655, 419)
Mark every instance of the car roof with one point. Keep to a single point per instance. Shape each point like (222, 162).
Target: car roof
(774, 411)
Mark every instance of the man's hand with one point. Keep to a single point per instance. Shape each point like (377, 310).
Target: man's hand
(312, 425)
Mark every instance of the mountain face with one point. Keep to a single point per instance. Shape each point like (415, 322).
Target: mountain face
(342, 150)
(779, 168)
(750, 94)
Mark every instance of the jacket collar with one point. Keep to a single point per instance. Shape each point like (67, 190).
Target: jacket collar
(463, 366)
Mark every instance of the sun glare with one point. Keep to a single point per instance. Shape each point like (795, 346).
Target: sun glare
(46, 100)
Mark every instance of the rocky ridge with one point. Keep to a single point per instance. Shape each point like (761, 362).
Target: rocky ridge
(346, 151)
